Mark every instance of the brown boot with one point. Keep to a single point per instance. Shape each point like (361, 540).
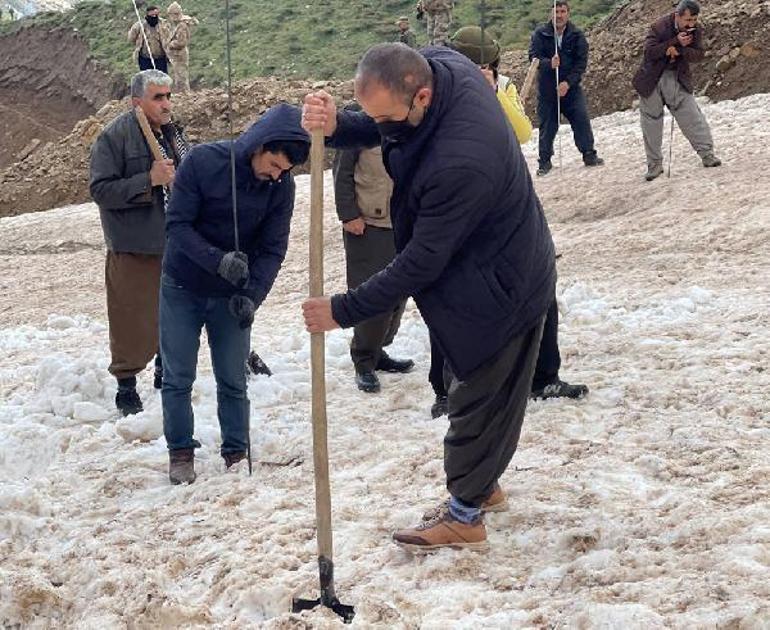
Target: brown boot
(233, 458)
(444, 531)
(181, 466)
(496, 502)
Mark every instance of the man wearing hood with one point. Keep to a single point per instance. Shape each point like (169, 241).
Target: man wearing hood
(473, 249)
(179, 32)
(211, 279)
(155, 29)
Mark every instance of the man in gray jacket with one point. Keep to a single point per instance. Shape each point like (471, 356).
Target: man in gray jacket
(132, 191)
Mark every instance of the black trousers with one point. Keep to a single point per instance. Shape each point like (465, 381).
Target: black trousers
(486, 412)
(575, 110)
(365, 256)
(161, 63)
(548, 357)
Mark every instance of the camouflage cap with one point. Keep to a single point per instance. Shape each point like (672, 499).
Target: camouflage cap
(174, 8)
(468, 41)
(403, 18)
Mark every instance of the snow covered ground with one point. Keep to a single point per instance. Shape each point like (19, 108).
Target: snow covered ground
(647, 505)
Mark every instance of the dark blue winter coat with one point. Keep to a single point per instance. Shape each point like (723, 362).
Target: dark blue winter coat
(199, 222)
(474, 249)
(573, 56)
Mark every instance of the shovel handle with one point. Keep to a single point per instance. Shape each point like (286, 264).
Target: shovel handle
(152, 141)
(317, 359)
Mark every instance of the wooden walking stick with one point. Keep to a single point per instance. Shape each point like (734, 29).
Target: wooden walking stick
(152, 141)
(323, 503)
(529, 80)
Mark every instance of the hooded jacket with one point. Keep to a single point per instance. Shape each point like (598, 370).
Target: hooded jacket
(662, 35)
(474, 248)
(573, 54)
(199, 222)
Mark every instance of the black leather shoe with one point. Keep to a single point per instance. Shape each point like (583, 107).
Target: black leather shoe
(368, 382)
(591, 159)
(257, 365)
(440, 407)
(397, 366)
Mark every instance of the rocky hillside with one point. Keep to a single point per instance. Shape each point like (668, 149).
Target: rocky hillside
(55, 173)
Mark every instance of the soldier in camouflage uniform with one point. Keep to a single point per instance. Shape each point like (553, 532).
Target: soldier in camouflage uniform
(180, 29)
(405, 34)
(438, 16)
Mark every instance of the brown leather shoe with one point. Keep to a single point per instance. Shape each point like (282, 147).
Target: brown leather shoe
(181, 466)
(233, 458)
(444, 531)
(496, 502)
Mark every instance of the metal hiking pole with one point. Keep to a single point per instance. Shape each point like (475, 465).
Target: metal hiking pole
(323, 502)
(233, 187)
(671, 145)
(558, 96)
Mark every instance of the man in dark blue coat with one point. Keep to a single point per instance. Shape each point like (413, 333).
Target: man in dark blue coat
(474, 250)
(571, 61)
(210, 279)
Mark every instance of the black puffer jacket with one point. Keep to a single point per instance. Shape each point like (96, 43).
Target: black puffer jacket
(474, 248)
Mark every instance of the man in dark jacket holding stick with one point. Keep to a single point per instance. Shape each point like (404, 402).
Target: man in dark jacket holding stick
(473, 249)
(664, 79)
(219, 266)
(132, 189)
(560, 44)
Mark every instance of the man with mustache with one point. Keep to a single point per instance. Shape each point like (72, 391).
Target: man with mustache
(132, 191)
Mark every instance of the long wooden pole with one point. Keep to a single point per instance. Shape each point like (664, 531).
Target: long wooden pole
(152, 141)
(529, 81)
(323, 508)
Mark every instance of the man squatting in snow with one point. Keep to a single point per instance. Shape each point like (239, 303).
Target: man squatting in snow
(473, 249)
(132, 191)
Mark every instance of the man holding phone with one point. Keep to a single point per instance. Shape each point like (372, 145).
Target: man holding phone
(664, 79)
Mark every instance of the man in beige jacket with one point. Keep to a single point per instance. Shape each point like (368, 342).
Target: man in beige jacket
(155, 30)
(362, 190)
(177, 45)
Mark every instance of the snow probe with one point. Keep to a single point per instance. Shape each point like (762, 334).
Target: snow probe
(671, 145)
(323, 502)
(558, 96)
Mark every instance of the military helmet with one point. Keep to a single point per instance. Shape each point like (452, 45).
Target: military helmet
(468, 41)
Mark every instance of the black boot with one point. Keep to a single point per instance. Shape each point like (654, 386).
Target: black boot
(389, 364)
(591, 159)
(560, 389)
(233, 458)
(440, 407)
(157, 381)
(181, 466)
(257, 365)
(127, 400)
(368, 382)
(544, 168)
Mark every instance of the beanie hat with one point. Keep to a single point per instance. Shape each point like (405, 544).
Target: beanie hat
(469, 42)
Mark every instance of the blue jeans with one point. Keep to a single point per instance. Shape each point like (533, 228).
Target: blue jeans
(182, 316)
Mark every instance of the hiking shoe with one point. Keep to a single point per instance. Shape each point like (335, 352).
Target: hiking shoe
(653, 172)
(181, 466)
(440, 407)
(560, 389)
(443, 531)
(233, 458)
(128, 402)
(544, 168)
(496, 502)
(396, 366)
(257, 365)
(157, 378)
(710, 160)
(368, 382)
(591, 159)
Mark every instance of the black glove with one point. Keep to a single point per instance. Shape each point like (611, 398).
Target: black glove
(242, 308)
(234, 267)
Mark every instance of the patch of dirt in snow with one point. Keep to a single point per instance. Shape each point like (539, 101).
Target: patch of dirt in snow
(644, 506)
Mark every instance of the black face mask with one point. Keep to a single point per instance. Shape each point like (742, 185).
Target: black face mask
(152, 20)
(398, 130)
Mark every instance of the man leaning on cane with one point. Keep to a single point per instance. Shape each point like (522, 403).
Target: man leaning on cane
(664, 79)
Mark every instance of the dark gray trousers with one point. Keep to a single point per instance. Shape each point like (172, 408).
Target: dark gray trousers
(486, 412)
(366, 255)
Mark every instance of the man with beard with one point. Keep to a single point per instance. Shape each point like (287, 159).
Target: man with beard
(213, 279)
